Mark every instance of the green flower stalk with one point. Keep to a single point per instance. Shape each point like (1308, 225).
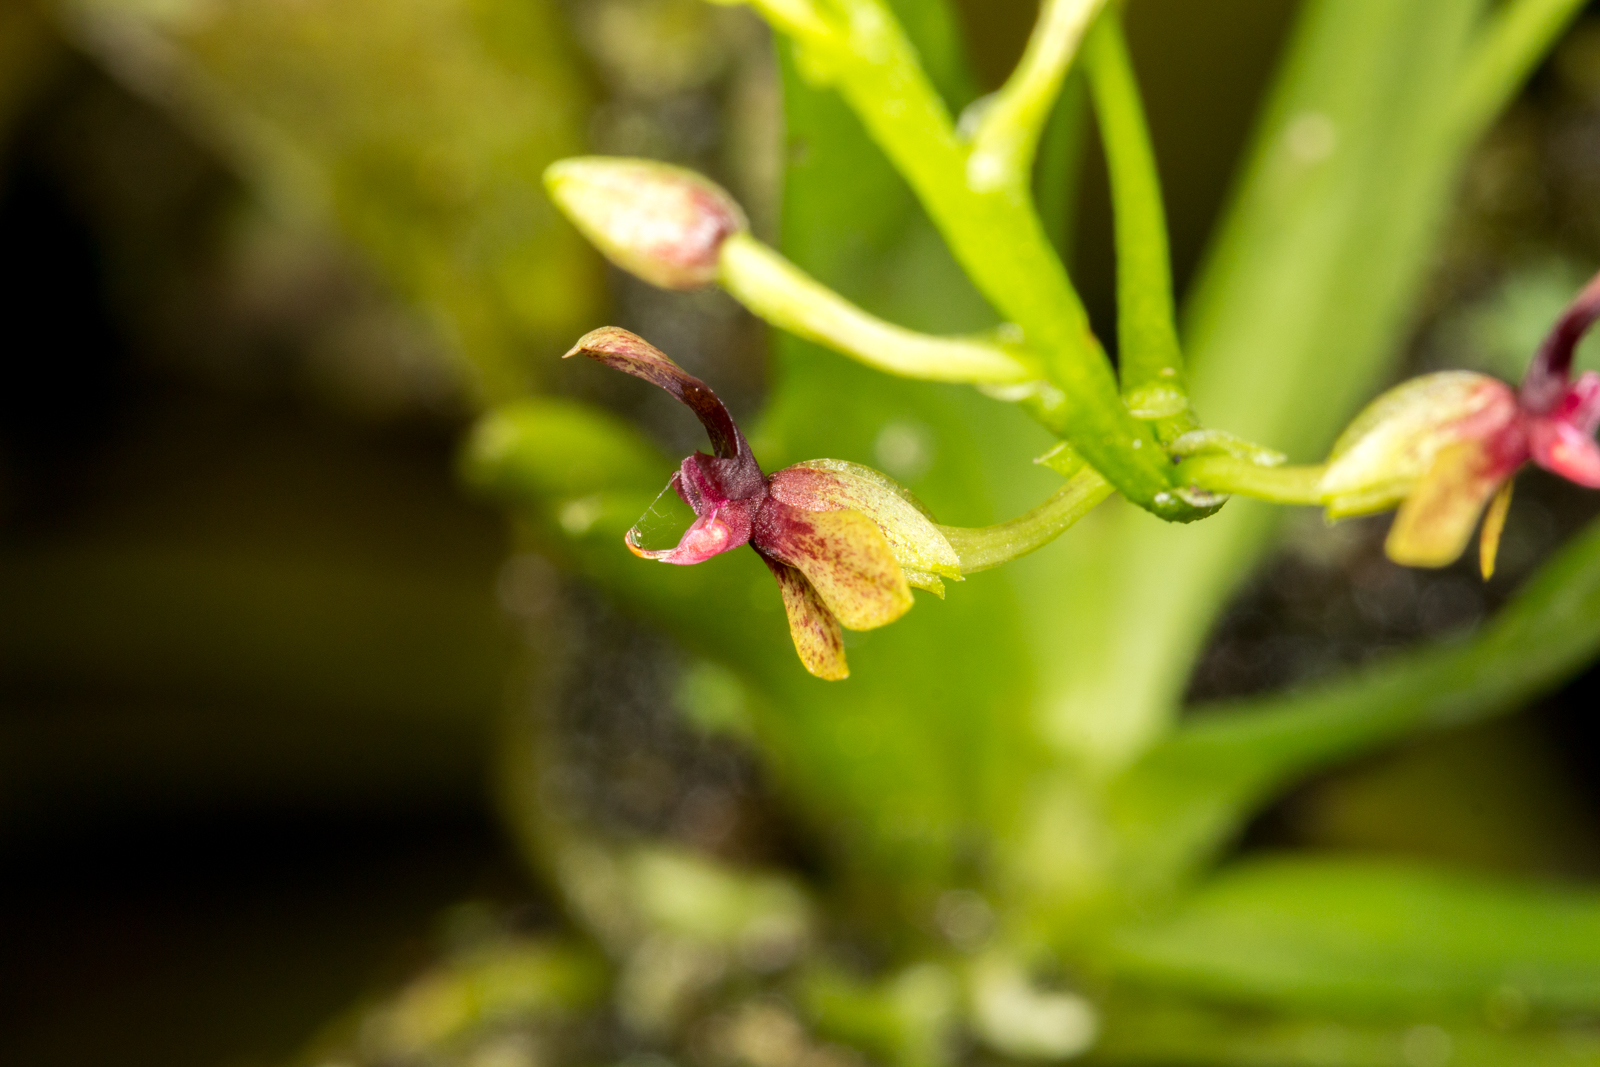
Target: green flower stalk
(678, 230)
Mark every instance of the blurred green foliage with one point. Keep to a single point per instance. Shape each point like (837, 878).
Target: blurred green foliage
(1004, 786)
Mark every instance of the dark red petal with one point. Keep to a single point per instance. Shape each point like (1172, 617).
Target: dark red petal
(1545, 383)
(632, 354)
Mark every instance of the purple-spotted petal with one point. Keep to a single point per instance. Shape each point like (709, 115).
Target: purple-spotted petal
(844, 555)
(1436, 521)
(632, 354)
(834, 485)
(812, 627)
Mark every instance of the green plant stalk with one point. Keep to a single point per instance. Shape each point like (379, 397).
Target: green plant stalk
(1007, 137)
(1292, 324)
(777, 291)
(981, 548)
(995, 235)
(1149, 353)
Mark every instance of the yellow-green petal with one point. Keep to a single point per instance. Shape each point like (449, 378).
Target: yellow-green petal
(845, 557)
(834, 485)
(812, 627)
(1435, 523)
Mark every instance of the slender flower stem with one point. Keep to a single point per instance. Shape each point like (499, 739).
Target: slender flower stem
(1517, 37)
(996, 236)
(1008, 134)
(1281, 485)
(983, 547)
(1149, 353)
(776, 290)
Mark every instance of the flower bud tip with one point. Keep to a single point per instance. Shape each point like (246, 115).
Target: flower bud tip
(662, 223)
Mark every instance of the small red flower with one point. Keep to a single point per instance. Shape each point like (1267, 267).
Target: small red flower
(844, 542)
(1442, 445)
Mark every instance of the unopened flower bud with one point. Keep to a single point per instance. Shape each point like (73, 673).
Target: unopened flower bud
(659, 222)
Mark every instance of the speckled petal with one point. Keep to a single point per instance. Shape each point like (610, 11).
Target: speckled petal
(812, 627)
(845, 557)
(1396, 439)
(835, 485)
(1435, 523)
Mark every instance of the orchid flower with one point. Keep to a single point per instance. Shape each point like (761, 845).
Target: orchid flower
(845, 543)
(1444, 444)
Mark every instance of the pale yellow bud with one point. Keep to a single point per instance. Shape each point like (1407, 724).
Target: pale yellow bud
(659, 222)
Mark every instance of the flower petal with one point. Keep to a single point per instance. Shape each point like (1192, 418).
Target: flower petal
(812, 627)
(720, 524)
(1565, 449)
(1395, 440)
(710, 535)
(834, 485)
(1494, 524)
(1436, 520)
(632, 354)
(844, 555)
(1545, 385)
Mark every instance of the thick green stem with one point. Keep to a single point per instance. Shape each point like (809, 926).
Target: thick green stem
(998, 239)
(1151, 359)
(1008, 134)
(777, 291)
(983, 547)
